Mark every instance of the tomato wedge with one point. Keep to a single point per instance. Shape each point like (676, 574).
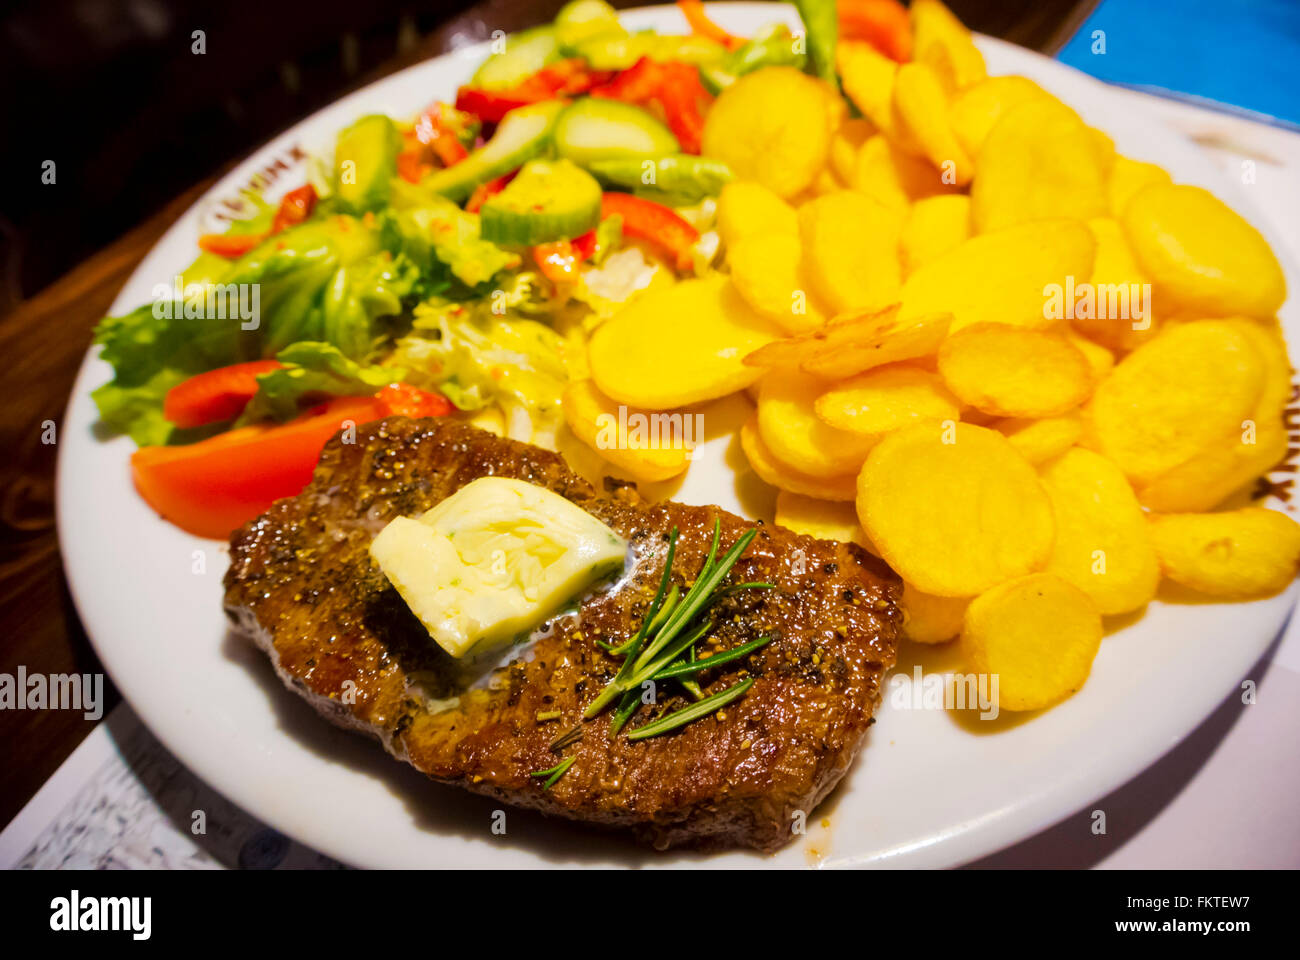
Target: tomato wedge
(217, 395)
(215, 486)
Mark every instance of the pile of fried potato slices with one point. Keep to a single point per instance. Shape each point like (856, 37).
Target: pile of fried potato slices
(1034, 375)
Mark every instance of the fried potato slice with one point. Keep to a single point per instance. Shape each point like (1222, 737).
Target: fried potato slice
(637, 442)
(1014, 372)
(791, 429)
(1037, 634)
(853, 343)
(977, 108)
(1040, 439)
(1102, 544)
(784, 477)
(837, 108)
(1104, 148)
(850, 246)
(1100, 360)
(931, 619)
(890, 175)
(1184, 393)
(886, 398)
(1000, 277)
(1214, 474)
(868, 78)
(768, 271)
(749, 209)
(933, 227)
(954, 508)
(856, 345)
(921, 106)
(1039, 161)
(678, 345)
(1116, 309)
(1200, 254)
(942, 41)
(823, 519)
(846, 143)
(771, 126)
(1235, 555)
(1127, 177)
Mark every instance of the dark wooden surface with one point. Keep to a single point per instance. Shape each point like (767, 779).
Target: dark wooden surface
(44, 338)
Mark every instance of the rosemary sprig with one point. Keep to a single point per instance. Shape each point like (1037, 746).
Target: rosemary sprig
(698, 666)
(691, 686)
(701, 593)
(633, 645)
(626, 707)
(664, 646)
(572, 735)
(679, 718)
(554, 773)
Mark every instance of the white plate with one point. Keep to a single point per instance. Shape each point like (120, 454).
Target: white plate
(927, 790)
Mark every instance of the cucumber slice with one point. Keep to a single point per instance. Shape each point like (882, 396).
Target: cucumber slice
(681, 175)
(593, 129)
(581, 20)
(365, 162)
(523, 134)
(618, 52)
(716, 78)
(548, 200)
(525, 53)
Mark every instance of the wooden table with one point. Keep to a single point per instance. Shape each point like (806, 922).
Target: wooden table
(44, 339)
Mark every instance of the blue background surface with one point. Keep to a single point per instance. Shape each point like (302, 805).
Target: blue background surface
(1245, 53)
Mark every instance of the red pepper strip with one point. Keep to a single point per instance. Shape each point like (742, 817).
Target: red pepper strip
(402, 399)
(585, 245)
(490, 106)
(562, 79)
(685, 102)
(559, 259)
(673, 88)
(702, 26)
(882, 23)
(567, 78)
(647, 220)
(411, 165)
(638, 83)
(214, 396)
(435, 131)
(232, 246)
(485, 190)
(450, 151)
(295, 207)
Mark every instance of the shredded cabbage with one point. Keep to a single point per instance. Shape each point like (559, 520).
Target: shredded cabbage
(490, 351)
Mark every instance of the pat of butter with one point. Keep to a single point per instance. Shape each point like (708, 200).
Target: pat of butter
(494, 560)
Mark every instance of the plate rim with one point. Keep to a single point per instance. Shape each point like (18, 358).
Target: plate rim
(964, 842)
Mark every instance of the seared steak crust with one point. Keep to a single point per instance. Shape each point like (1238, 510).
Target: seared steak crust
(302, 584)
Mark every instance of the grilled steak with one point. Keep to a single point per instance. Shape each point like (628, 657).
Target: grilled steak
(303, 586)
